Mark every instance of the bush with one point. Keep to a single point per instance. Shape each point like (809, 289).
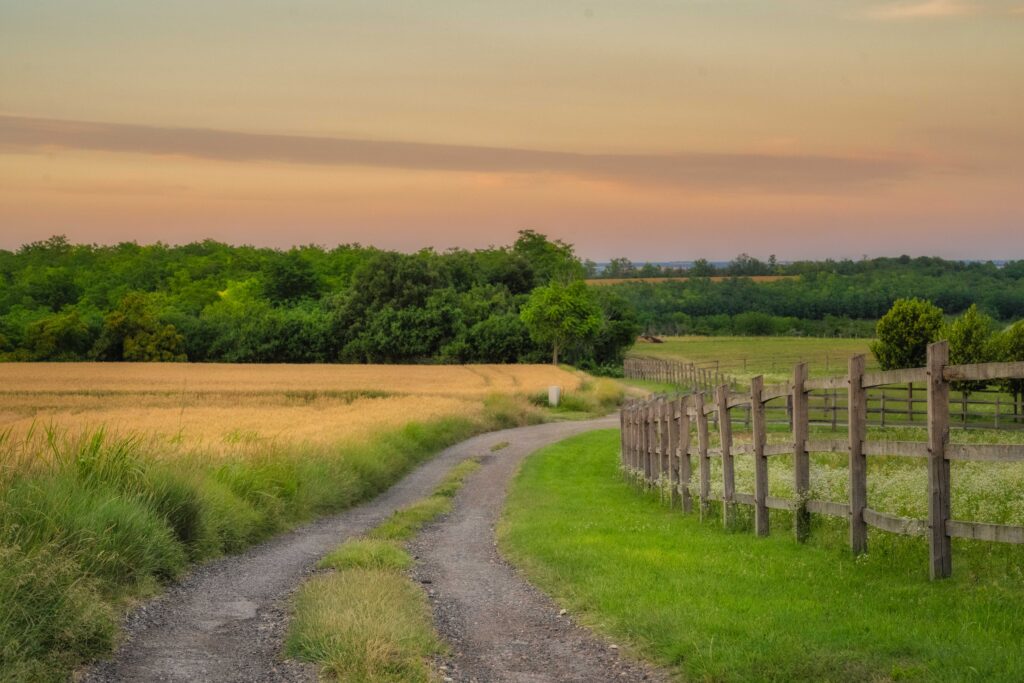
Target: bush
(905, 332)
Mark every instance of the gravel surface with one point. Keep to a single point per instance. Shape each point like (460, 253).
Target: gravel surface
(498, 626)
(226, 620)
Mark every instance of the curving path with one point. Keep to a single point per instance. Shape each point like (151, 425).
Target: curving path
(500, 628)
(226, 621)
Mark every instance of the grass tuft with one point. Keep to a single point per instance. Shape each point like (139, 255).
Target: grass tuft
(365, 553)
(363, 626)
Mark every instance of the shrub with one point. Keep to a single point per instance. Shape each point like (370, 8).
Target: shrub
(905, 332)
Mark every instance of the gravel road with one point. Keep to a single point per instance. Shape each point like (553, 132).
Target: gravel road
(226, 620)
(499, 627)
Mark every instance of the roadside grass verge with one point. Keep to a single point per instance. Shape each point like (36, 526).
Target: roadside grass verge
(363, 620)
(94, 523)
(724, 606)
(595, 397)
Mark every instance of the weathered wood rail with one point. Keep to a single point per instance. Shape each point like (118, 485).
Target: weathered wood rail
(661, 436)
(900, 401)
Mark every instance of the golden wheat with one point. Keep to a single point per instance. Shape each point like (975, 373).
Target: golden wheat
(219, 410)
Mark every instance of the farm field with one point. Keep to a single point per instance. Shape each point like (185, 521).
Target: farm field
(728, 606)
(773, 357)
(114, 479)
(217, 410)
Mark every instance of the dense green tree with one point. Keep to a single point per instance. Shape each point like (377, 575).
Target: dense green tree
(551, 260)
(290, 277)
(561, 316)
(971, 340)
(66, 335)
(618, 268)
(618, 331)
(1008, 347)
(133, 332)
(905, 332)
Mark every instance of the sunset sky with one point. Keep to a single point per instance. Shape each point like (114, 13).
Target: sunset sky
(654, 130)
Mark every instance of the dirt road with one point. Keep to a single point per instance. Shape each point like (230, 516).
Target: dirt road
(226, 621)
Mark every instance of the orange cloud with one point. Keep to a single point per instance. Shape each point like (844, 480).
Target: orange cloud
(928, 9)
(773, 172)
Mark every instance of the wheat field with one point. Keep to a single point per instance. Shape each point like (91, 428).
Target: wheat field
(219, 410)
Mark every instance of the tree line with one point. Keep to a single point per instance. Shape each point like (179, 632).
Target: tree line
(209, 301)
(824, 298)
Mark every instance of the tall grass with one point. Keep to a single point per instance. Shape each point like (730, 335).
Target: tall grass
(89, 522)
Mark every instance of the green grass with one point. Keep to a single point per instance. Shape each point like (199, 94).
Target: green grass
(366, 553)
(101, 524)
(362, 626)
(367, 622)
(728, 606)
(773, 357)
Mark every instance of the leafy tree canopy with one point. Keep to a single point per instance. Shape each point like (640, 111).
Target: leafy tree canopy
(905, 332)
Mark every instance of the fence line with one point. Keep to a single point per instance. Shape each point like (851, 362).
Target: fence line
(903, 403)
(657, 448)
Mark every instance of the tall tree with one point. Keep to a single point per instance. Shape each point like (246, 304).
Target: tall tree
(561, 316)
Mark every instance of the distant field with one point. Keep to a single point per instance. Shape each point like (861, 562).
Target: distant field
(716, 278)
(224, 409)
(774, 357)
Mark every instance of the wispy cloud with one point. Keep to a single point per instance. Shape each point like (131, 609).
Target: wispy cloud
(786, 173)
(923, 9)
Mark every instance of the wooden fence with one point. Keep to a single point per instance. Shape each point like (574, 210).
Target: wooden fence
(658, 437)
(696, 376)
(895, 405)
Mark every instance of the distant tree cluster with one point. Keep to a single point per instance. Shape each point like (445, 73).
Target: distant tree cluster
(209, 301)
(825, 298)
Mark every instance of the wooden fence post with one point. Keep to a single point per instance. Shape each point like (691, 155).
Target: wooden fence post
(728, 469)
(758, 436)
(704, 462)
(660, 411)
(940, 548)
(622, 437)
(641, 456)
(672, 453)
(857, 422)
(685, 463)
(651, 439)
(801, 461)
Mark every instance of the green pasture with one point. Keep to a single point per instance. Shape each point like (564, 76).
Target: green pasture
(724, 605)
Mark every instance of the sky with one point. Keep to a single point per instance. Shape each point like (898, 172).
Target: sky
(652, 130)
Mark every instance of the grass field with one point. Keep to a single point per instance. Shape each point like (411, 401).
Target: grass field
(114, 478)
(773, 357)
(728, 606)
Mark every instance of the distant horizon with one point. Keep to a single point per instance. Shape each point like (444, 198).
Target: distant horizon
(600, 261)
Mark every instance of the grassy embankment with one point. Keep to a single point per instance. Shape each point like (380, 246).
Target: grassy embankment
(362, 619)
(95, 515)
(728, 606)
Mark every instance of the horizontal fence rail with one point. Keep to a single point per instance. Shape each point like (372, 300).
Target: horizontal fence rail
(661, 436)
(896, 398)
